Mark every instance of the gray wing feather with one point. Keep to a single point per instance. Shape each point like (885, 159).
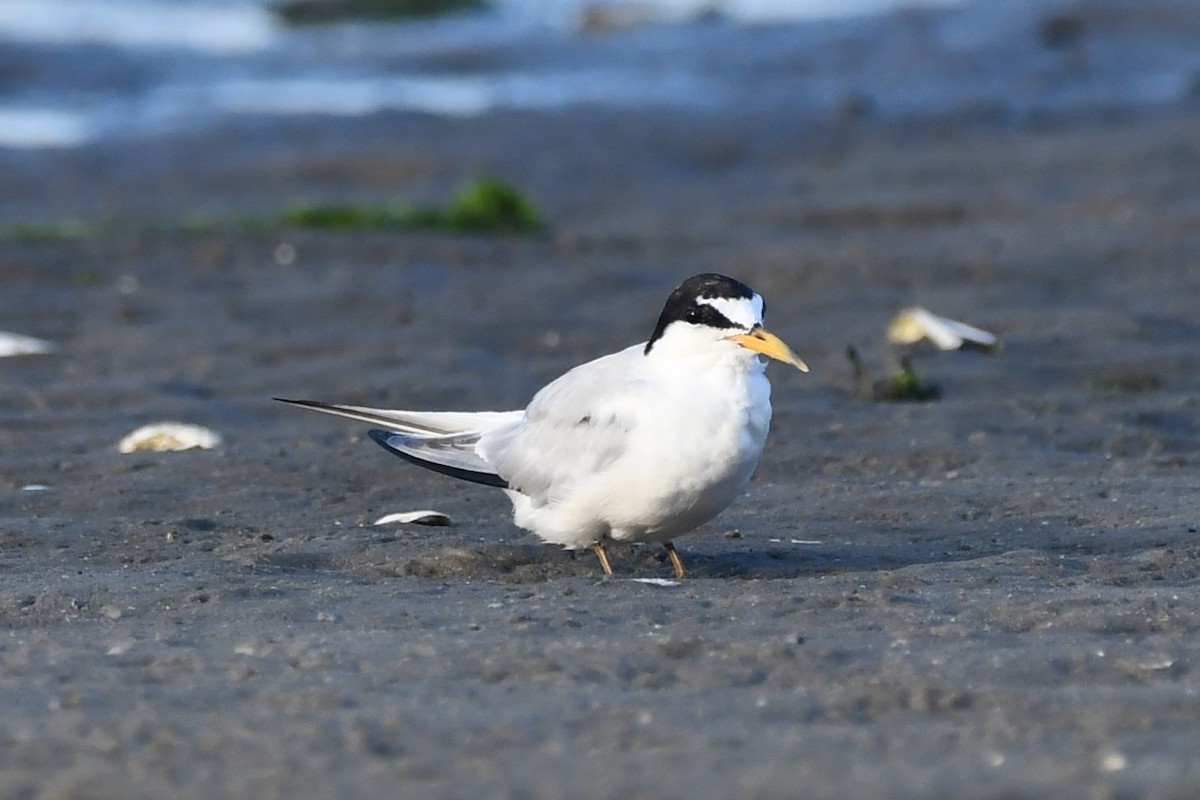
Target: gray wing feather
(574, 428)
(450, 455)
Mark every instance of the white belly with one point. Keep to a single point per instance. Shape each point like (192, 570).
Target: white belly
(681, 470)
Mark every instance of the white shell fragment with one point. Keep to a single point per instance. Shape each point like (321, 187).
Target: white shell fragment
(164, 437)
(17, 344)
(914, 324)
(664, 582)
(415, 517)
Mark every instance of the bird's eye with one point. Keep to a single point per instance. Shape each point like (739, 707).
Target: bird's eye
(692, 315)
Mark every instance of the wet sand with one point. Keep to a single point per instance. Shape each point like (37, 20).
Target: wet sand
(991, 595)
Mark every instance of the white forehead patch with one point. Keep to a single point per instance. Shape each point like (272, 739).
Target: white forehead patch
(738, 310)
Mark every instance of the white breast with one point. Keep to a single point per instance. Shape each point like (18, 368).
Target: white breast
(662, 451)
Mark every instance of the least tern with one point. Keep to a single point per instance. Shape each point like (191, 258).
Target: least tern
(642, 445)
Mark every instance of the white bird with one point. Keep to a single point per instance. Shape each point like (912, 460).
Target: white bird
(639, 446)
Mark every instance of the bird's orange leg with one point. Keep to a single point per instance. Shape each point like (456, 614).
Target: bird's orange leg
(603, 556)
(676, 561)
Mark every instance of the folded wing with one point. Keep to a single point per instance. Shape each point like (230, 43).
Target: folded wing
(573, 430)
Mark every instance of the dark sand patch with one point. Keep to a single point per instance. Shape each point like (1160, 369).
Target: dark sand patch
(1001, 601)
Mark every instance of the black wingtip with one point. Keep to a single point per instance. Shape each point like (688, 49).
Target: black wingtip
(305, 403)
(486, 478)
(315, 405)
(381, 438)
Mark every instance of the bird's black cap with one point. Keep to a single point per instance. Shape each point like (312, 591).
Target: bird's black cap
(682, 305)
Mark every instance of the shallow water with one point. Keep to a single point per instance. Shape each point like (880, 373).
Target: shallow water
(76, 71)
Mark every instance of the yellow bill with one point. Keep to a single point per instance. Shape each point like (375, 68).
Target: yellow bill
(763, 341)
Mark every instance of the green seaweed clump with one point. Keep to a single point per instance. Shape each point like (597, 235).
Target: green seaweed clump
(47, 232)
(310, 12)
(346, 216)
(489, 206)
(906, 386)
(902, 386)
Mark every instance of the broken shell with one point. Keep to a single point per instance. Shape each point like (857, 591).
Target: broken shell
(914, 324)
(163, 437)
(17, 344)
(415, 517)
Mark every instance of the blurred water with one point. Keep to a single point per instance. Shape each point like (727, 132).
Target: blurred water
(207, 26)
(72, 71)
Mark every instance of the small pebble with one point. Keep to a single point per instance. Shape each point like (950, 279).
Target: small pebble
(120, 648)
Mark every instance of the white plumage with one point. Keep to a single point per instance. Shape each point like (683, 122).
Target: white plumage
(642, 445)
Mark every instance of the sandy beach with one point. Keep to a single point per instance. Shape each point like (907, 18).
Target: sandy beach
(991, 595)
